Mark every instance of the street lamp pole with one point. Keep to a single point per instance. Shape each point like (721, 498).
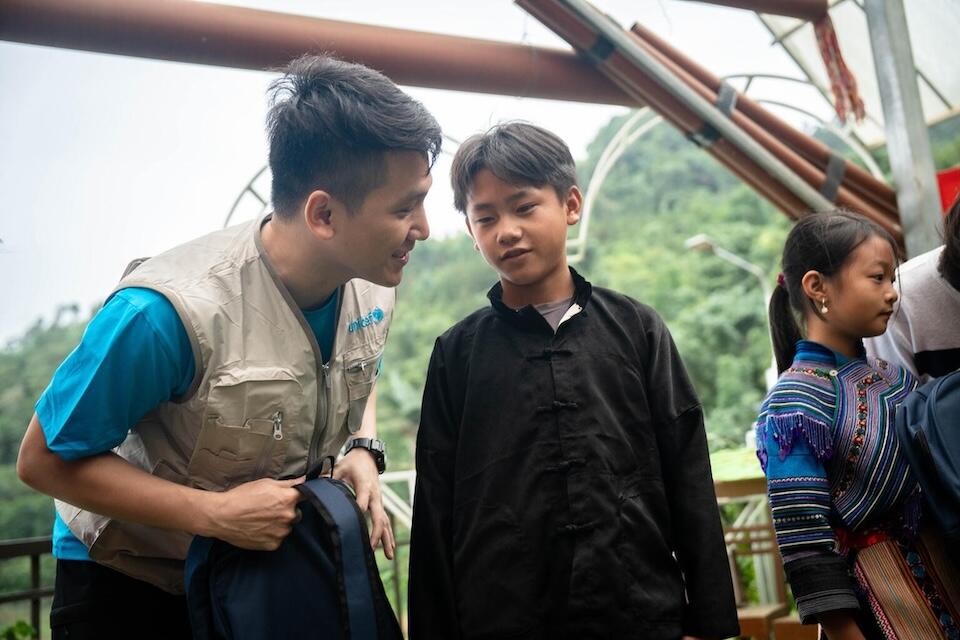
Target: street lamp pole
(703, 242)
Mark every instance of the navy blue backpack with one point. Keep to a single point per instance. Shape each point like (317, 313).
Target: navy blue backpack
(321, 583)
(928, 427)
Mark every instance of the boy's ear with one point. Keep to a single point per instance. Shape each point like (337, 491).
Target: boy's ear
(318, 214)
(573, 204)
(466, 223)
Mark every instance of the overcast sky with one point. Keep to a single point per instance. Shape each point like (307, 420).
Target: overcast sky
(106, 158)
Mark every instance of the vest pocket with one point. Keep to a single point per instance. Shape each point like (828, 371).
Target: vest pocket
(246, 428)
(360, 374)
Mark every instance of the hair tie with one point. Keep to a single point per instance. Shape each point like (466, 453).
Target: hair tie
(781, 281)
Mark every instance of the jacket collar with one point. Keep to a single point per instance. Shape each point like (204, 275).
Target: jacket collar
(809, 351)
(528, 317)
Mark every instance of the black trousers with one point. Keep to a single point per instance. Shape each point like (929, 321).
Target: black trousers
(92, 601)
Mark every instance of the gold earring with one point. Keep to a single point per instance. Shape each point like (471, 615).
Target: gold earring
(823, 306)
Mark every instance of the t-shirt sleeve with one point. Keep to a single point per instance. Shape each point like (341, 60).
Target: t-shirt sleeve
(134, 355)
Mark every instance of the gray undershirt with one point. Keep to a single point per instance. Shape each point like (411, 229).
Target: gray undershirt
(553, 312)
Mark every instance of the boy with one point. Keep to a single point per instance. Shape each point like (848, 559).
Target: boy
(563, 484)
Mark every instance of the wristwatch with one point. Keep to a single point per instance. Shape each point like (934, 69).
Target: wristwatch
(377, 449)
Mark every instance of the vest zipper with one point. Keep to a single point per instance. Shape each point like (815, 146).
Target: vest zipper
(326, 374)
(313, 453)
(278, 425)
(268, 450)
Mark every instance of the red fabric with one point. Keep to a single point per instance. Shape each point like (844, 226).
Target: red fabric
(846, 97)
(850, 540)
(949, 182)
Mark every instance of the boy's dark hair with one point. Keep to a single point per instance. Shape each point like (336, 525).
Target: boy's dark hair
(820, 242)
(949, 265)
(515, 152)
(330, 122)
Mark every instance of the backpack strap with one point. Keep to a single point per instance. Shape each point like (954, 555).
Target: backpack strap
(346, 526)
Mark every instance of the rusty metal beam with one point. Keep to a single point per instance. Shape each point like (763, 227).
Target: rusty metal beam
(222, 35)
(802, 9)
(746, 149)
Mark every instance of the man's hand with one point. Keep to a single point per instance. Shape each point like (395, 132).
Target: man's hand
(359, 470)
(254, 515)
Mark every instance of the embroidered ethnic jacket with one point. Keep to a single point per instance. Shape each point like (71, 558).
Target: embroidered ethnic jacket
(826, 442)
(563, 483)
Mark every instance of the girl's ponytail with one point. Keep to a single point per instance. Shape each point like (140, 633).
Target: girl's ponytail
(784, 331)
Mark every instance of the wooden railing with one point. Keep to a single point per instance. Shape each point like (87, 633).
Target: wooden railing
(33, 548)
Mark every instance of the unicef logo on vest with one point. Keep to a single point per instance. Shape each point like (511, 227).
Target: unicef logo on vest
(374, 317)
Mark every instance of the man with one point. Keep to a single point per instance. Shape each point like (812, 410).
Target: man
(236, 359)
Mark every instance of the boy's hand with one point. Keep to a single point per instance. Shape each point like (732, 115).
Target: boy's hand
(254, 515)
(840, 625)
(359, 470)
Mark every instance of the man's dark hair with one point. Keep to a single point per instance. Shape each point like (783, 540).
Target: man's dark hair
(949, 265)
(329, 125)
(515, 152)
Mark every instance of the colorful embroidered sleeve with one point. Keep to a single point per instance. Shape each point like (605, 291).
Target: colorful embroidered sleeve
(794, 438)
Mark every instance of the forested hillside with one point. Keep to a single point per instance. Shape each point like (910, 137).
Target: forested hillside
(662, 191)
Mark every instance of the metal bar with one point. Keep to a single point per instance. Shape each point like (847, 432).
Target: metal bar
(223, 35)
(796, 60)
(780, 139)
(397, 591)
(19, 547)
(864, 185)
(801, 9)
(850, 140)
(27, 594)
(752, 76)
(908, 142)
(633, 52)
(620, 142)
(632, 80)
(792, 30)
(35, 602)
(789, 32)
(932, 87)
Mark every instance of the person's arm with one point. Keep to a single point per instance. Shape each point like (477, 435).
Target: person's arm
(134, 355)
(359, 470)
(255, 515)
(432, 600)
(710, 610)
(840, 625)
(799, 495)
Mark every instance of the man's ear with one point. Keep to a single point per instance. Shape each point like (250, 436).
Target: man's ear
(573, 204)
(816, 287)
(318, 214)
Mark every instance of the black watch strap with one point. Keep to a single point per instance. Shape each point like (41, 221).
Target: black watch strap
(377, 448)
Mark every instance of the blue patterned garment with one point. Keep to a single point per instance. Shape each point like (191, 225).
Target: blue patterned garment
(826, 443)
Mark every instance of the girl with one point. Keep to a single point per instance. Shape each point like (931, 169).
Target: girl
(845, 506)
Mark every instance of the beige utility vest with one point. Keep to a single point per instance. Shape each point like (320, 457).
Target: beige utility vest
(262, 403)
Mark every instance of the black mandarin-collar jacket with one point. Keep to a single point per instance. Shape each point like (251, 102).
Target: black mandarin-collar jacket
(563, 483)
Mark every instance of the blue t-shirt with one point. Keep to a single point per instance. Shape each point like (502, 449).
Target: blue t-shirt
(134, 355)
